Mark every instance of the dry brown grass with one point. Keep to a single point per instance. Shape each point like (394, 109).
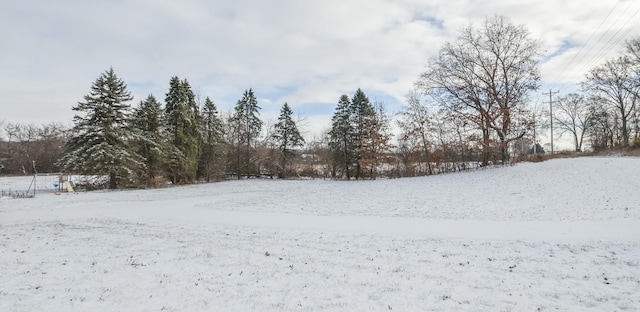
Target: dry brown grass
(626, 152)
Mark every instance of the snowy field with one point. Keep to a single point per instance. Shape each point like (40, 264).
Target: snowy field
(562, 235)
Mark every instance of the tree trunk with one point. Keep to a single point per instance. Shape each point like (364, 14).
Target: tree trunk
(504, 153)
(346, 160)
(485, 146)
(426, 152)
(625, 133)
(283, 168)
(112, 180)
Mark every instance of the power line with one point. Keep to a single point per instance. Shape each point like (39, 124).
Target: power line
(589, 40)
(613, 41)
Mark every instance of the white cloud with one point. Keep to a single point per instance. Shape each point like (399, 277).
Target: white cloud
(300, 52)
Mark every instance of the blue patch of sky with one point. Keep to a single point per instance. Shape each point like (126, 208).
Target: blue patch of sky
(277, 92)
(563, 89)
(391, 103)
(315, 109)
(564, 47)
(140, 90)
(144, 85)
(431, 20)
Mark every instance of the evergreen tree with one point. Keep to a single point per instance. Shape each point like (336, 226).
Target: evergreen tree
(362, 115)
(213, 147)
(247, 126)
(286, 136)
(341, 137)
(149, 121)
(101, 133)
(183, 129)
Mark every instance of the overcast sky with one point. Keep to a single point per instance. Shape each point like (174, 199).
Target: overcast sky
(306, 53)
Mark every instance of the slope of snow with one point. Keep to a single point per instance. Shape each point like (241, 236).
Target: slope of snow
(560, 235)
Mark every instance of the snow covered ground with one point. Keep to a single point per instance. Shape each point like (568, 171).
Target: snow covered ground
(562, 235)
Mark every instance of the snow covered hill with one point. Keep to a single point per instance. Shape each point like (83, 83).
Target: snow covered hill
(559, 235)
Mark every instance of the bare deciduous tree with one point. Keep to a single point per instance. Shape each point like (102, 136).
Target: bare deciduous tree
(30, 143)
(572, 115)
(485, 76)
(415, 122)
(376, 143)
(615, 84)
(633, 49)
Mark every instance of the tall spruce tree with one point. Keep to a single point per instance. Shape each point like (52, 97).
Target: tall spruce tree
(213, 145)
(247, 127)
(100, 141)
(362, 115)
(341, 137)
(149, 122)
(183, 129)
(286, 136)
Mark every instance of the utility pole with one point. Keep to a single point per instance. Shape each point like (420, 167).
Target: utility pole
(551, 93)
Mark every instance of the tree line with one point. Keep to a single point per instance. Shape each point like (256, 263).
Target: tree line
(606, 112)
(470, 106)
(180, 142)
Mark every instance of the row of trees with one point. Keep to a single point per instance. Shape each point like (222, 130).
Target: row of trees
(27, 145)
(471, 106)
(181, 142)
(607, 110)
(472, 103)
(359, 139)
(605, 113)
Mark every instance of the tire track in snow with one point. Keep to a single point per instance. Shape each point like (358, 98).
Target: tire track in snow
(569, 231)
(172, 210)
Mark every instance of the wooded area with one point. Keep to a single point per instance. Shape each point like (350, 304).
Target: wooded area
(471, 106)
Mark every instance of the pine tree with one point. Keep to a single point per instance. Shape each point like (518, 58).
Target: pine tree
(183, 129)
(149, 122)
(247, 126)
(213, 147)
(341, 137)
(101, 133)
(362, 114)
(286, 136)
